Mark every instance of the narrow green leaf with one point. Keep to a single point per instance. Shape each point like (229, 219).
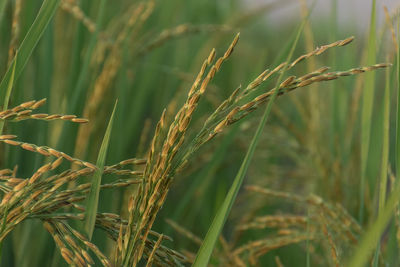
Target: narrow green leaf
(367, 107)
(385, 155)
(373, 233)
(385, 148)
(31, 39)
(398, 108)
(8, 92)
(207, 247)
(93, 198)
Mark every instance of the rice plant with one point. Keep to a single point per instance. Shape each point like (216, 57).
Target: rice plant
(131, 135)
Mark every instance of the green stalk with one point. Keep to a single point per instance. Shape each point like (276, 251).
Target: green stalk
(385, 155)
(367, 107)
(398, 112)
(8, 93)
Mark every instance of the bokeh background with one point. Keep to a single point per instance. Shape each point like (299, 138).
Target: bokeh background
(352, 13)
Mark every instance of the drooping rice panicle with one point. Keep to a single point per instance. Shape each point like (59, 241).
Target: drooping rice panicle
(72, 7)
(45, 151)
(179, 31)
(215, 124)
(24, 112)
(30, 105)
(157, 179)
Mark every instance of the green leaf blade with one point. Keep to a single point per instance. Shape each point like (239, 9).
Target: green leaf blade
(373, 233)
(30, 41)
(93, 198)
(10, 86)
(367, 108)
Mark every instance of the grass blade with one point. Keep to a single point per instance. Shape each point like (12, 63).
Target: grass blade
(8, 92)
(367, 107)
(207, 247)
(31, 39)
(93, 198)
(385, 154)
(373, 233)
(398, 109)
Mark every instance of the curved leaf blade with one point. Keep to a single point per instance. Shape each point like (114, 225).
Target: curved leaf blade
(30, 41)
(93, 198)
